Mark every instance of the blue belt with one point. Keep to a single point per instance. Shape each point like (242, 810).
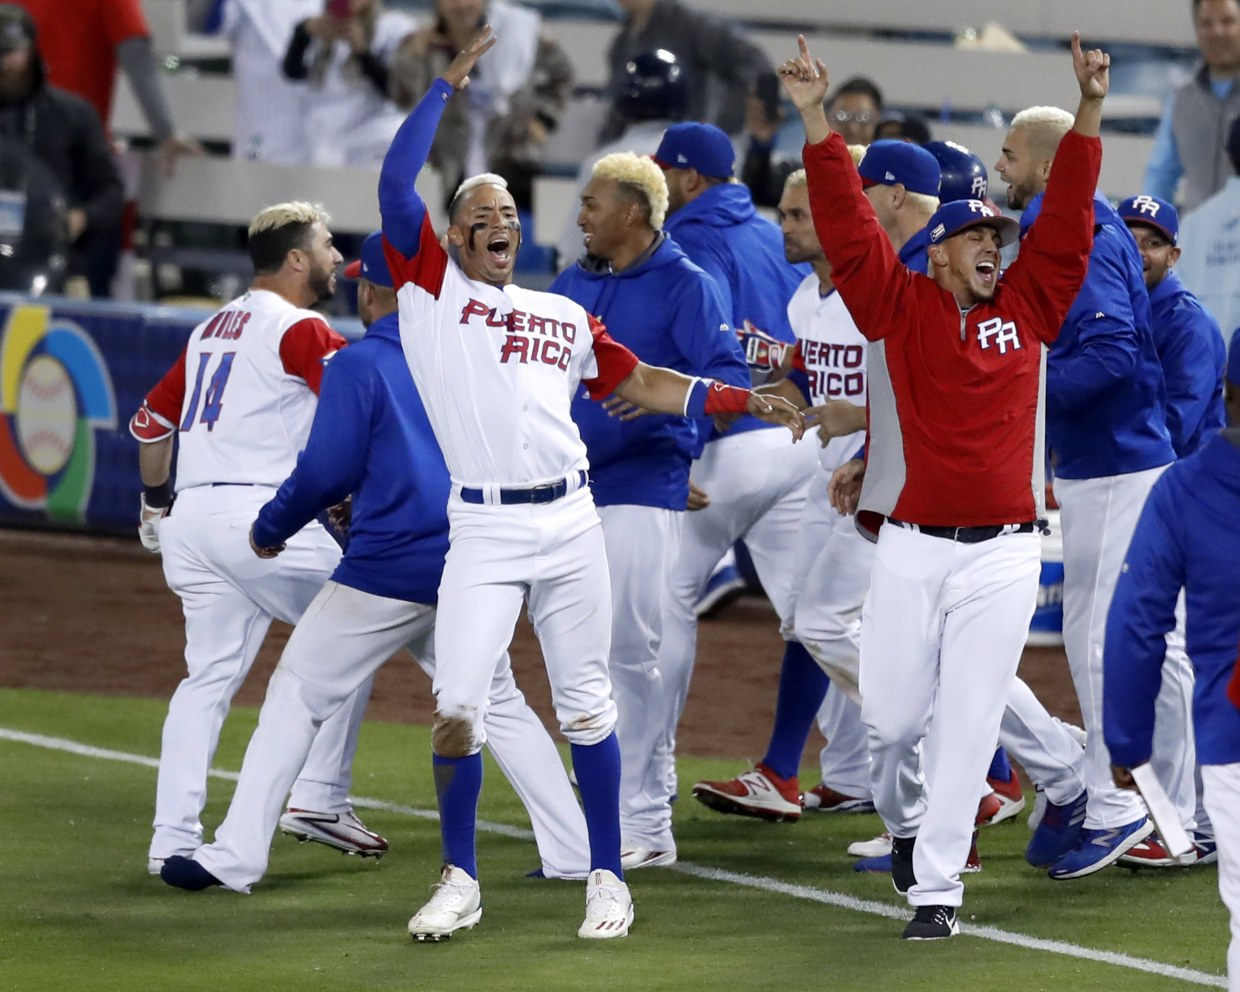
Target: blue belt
(967, 535)
(547, 493)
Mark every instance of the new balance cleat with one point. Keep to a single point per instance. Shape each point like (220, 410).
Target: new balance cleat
(1099, 848)
(1153, 853)
(1206, 847)
(1058, 831)
(825, 799)
(643, 857)
(932, 923)
(876, 847)
(759, 792)
(609, 907)
(343, 831)
(188, 874)
(1010, 795)
(456, 905)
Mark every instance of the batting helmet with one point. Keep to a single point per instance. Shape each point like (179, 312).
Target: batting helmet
(962, 174)
(653, 87)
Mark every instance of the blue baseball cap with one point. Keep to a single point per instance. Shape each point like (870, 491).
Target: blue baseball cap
(1233, 362)
(1152, 212)
(888, 162)
(960, 215)
(372, 264)
(697, 146)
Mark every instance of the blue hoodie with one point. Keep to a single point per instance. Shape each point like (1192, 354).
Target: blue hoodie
(1187, 537)
(1190, 348)
(668, 312)
(370, 437)
(1105, 398)
(723, 233)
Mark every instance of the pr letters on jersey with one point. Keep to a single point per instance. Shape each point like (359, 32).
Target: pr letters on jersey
(1000, 332)
(530, 337)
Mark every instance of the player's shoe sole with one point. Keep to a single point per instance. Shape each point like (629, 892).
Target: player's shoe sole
(343, 831)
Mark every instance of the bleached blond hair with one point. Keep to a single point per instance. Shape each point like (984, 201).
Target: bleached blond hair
(1046, 127)
(639, 175)
(924, 203)
(283, 214)
(472, 183)
(857, 152)
(796, 180)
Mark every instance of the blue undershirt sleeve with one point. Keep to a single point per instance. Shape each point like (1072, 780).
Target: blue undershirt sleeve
(400, 205)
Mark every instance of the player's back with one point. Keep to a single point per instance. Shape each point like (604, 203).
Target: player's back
(244, 415)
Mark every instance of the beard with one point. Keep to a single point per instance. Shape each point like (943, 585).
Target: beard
(321, 284)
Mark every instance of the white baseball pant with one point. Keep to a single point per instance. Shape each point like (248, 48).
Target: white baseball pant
(642, 542)
(229, 596)
(757, 484)
(499, 556)
(942, 633)
(343, 639)
(1222, 802)
(1099, 517)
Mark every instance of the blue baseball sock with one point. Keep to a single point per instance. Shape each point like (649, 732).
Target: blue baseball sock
(1000, 768)
(598, 777)
(458, 783)
(802, 688)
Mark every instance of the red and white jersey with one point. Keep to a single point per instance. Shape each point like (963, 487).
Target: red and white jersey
(831, 352)
(243, 392)
(497, 368)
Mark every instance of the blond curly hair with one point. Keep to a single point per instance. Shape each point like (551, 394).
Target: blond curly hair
(641, 177)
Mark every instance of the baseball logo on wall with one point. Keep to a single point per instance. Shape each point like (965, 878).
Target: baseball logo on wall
(55, 393)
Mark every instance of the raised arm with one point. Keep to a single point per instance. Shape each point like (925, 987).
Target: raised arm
(400, 205)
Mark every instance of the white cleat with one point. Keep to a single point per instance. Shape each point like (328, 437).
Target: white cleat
(609, 907)
(456, 905)
(876, 848)
(343, 831)
(154, 866)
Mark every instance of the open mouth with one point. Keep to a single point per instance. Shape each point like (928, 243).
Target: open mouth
(986, 270)
(499, 250)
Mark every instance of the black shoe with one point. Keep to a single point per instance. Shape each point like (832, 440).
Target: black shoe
(186, 873)
(932, 923)
(902, 876)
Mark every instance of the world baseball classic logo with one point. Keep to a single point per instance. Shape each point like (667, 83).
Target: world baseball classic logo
(55, 393)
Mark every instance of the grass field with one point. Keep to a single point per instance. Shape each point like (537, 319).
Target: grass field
(750, 906)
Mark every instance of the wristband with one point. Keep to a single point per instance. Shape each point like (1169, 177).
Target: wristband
(158, 497)
(707, 397)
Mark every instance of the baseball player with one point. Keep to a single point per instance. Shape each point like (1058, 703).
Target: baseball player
(952, 485)
(1106, 429)
(667, 311)
(1187, 538)
(370, 438)
(497, 367)
(239, 401)
(745, 483)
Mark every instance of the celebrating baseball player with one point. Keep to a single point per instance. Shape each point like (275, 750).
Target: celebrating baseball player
(497, 367)
(664, 308)
(952, 487)
(1187, 538)
(370, 438)
(240, 400)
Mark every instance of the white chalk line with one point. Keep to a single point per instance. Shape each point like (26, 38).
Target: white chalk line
(759, 882)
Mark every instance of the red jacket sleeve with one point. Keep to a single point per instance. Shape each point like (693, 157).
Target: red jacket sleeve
(1054, 255)
(426, 268)
(159, 413)
(615, 362)
(873, 283)
(122, 21)
(307, 347)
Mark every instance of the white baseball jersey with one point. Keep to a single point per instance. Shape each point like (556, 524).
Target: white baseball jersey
(831, 351)
(242, 394)
(524, 354)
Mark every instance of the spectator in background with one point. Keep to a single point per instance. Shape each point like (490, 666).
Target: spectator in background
(1190, 345)
(343, 54)
(854, 111)
(515, 99)
(722, 63)
(653, 95)
(269, 123)
(1209, 263)
(83, 41)
(900, 125)
(1189, 142)
(64, 132)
